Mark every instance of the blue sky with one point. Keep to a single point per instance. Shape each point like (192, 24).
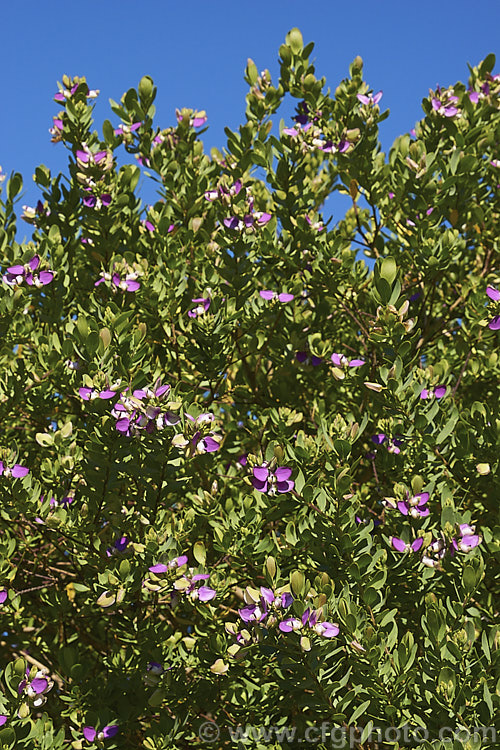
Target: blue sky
(196, 53)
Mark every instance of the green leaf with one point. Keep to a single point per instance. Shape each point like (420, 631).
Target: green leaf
(388, 269)
(290, 533)
(469, 578)
(252, 73)
(359, 712)
(82, 326)
(199, 552)
(14, 186)
(297, 582)
(146, 88)
(295, 41)
(447, 429)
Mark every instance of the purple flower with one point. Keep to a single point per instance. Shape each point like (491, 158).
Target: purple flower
(329, 147)
(61, 96)
(207, 444)
(370, 100)
(35, 688)
(272, 482)
(339, 360)
(257, 610)
(65, 502)
(203, 303)
(32, 215)
(126, 129)
(393, 444)
(468, 539)
(494, 294)
(89, 394)
(222, 192)
(445, 105)
(269, 295)
(119, 545)
(155, 668)
(176, 562)
(97, 202)
(438, 392)
(317, 225)
(194, 118)
(126, 282)
(56, 130)
(189, 585)
(3, 595)
(259, 217)
(3, 719)
(203, 439)
(15, 472)
(132, 415)
(87, 157)
(400, 546)
(308, 359)
(310, 620)
(19, 273)
(415, 506)
(91, 733)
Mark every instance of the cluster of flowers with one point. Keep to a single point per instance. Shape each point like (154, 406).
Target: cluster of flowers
(20, 273)
(250, 217)
(143, 410)
(168, 136)
(122, 278)
(265, 609)
(223, 194)
(488, 88)
(465, 540)
(93, 167)
(188, 584)
(71, 87)
(310, 136)
(444, 101)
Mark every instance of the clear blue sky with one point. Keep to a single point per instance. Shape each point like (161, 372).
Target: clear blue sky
(196, 53)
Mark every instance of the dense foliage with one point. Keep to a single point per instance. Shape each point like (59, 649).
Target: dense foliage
(248, 450)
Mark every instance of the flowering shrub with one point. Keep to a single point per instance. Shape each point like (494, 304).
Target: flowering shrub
(249, 449)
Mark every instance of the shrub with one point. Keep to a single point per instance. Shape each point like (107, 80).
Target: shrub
(249, 450)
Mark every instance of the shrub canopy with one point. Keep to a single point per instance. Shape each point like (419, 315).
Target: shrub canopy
(249, 449)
